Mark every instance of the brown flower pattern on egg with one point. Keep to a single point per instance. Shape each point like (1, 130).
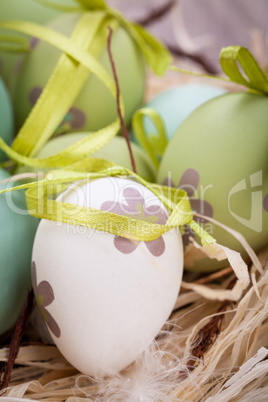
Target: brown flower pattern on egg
(189, 182)
(136, 208)
(33, 42)
(44, 296)
(74, 119)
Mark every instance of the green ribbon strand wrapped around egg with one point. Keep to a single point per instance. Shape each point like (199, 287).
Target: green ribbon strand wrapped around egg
(68, 78)
(41, 204)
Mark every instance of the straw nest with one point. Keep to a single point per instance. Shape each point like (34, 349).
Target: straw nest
(210, 350)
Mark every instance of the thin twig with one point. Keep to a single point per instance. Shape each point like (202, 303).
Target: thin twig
(156, 14)
(16, 339)
(122, 123)
(203, 61)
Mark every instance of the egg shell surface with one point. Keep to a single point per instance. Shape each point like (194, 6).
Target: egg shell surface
(111, 295)
(219, 156)
(17, 231)
(175, 104)
(18, 10)
(115, 151)
(95, 107)
(6, 117)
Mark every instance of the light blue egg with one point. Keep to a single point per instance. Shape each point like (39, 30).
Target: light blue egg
(6, 117)
(17, 232)
(175, 104)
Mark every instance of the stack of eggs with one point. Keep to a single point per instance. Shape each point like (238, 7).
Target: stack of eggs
(104, 297)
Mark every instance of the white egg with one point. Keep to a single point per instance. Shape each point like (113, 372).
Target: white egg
(104, 298)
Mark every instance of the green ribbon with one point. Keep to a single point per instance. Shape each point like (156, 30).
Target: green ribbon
(154, 145)
(156, 55)
(40, 196)
(13, 44)
(231, 58)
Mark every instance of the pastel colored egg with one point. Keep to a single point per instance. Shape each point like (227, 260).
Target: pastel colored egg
(20, 10)
(6, 117)
(95, 107)
(17, 233)
(219, 156)
(104, 297)
(115, 151)
(175, 104)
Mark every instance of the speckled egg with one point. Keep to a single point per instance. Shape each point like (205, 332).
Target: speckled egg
(17, 233)
(105, 297)
(219, 156)
(94, 108)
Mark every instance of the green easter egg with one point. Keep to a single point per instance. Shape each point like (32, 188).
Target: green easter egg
(115, 151)
(94, 107)
(219, 156)
(17, 231)
(175, 104)
(27, 10)
(6, 117)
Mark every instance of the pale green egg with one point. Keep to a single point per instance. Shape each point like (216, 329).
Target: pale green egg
(27, 10)
(175, 104)
(219, 155)
(6, 117)
(95, 107)
(115, 151)
(17, 231)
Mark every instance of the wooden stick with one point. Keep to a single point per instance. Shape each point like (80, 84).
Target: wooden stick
(16, 339)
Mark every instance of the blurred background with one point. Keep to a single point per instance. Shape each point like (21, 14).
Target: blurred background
(195, 31)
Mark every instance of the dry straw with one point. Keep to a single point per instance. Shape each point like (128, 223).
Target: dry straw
(210, 351)
(233, 368)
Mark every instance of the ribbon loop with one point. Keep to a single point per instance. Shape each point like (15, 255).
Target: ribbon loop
(153, 144)
(229, 59)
